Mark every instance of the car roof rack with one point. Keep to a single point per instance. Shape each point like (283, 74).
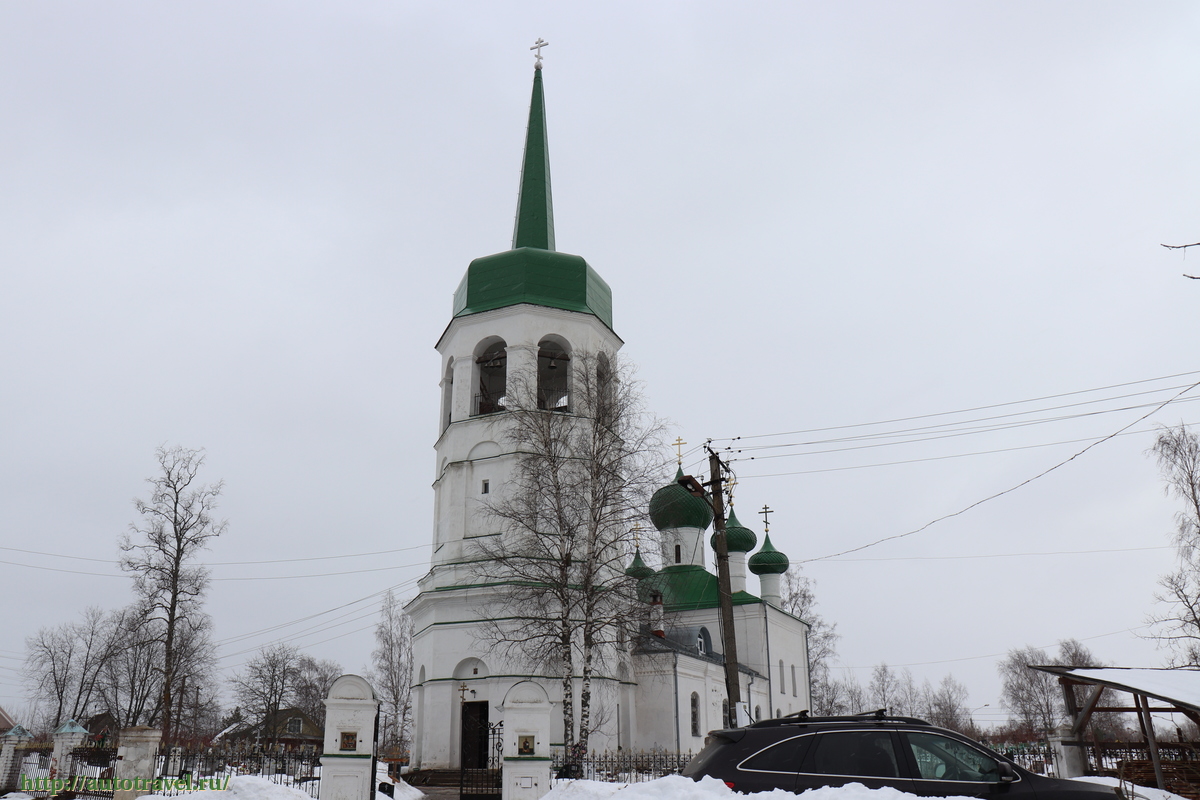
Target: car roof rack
(803, 718)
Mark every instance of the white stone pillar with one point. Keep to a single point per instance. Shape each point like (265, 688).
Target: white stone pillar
(347, 761)
(1069, 759)
(521, 380)
(10, 761)
(526, 774)
(68, 736)
(137, 760)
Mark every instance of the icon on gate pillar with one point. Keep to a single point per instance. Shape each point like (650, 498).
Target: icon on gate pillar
(349, 740)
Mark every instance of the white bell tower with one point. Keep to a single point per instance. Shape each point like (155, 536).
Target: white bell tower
(519, 319)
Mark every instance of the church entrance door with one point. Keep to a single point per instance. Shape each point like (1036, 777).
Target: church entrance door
(474, 735)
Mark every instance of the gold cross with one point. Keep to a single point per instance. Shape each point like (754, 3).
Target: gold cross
(729, 487)
(637, 527)
(679, 443)
(766, 521)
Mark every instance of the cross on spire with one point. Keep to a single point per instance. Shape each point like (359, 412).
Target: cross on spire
(538, 45)
(679, 443)
(766, 520)
(729, 487)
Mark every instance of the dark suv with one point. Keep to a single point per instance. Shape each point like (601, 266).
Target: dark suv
(798, 752)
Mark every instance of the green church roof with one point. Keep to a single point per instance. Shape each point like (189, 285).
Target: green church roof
(533, 271)
(738, 538)
(687, 587)
(768, 560)
(673, 506)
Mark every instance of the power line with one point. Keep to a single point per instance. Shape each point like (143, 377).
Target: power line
(1011, 489)
(960, 411)
(999, 555)
(940, 458)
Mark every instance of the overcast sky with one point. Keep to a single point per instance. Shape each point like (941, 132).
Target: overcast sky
(238, 226)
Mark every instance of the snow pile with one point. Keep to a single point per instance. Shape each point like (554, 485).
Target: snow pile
(676, 787)
(245, 787)
(1136, 791)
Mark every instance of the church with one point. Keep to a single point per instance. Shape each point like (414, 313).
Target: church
(525, 311)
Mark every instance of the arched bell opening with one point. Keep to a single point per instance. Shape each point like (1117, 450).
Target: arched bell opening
(491, 378)
(554, 374)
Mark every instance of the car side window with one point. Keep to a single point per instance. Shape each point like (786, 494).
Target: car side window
(945, 759)
(855, 753)
(785, 756)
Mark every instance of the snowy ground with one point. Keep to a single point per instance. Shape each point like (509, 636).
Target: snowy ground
(672, 787)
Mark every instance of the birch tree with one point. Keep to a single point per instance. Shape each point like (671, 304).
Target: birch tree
(565, 520)
(161, 550)
(1177, 452)
(391, 662)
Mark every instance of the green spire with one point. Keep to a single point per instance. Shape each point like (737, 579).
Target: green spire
(535, 207)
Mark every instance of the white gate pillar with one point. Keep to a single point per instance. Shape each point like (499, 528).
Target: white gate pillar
(137, 759)
(67, 737)
(10, 762)
(347, 761)
(526, 774)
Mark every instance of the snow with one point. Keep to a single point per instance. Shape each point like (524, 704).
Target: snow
(675, 787)
(1181, 685)
(1137, 791)
(245, 787)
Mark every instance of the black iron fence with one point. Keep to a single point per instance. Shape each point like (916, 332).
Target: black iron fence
(621, 766)
(181, 771)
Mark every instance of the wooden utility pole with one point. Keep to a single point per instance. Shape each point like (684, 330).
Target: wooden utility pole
(724, 587)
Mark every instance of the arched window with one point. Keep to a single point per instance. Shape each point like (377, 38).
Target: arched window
(794, 680)
(492, 368)
(778, 713)
(725, 723)
(782, 686)
(758, 713)
(695, 714)
(704, 642)
(553, 375)
(448, 396)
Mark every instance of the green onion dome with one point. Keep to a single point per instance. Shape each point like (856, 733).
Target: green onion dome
(637, 568)
(673, 506)
(738, 538)
(768, 560)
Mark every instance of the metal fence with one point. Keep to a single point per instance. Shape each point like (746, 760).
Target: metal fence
(621, 766)
(182, 771)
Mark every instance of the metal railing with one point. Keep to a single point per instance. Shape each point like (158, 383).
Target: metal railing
(488, 404)
(621, 766)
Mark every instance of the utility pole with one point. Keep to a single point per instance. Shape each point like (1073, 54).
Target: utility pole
(724, 587)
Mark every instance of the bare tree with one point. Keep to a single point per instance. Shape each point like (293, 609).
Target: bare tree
(267, 685)
(1033, 697)
(1177, 452)
(799, 600)
(176, 524)
(64, 664)
(585, 472)
(946, 706)
(392, 672)
(313, 679)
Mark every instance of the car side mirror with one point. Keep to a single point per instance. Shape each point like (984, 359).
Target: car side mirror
(1007, 773)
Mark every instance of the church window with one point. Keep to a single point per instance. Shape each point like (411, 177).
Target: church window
(484, 489)
(695, 714)
(492, 368)
(293, 725)
(758, 713)
(778, 713)
(678, 554)
(793, 680)
(782, 683)
(704, 642)
(553, 376)
(725, 723)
